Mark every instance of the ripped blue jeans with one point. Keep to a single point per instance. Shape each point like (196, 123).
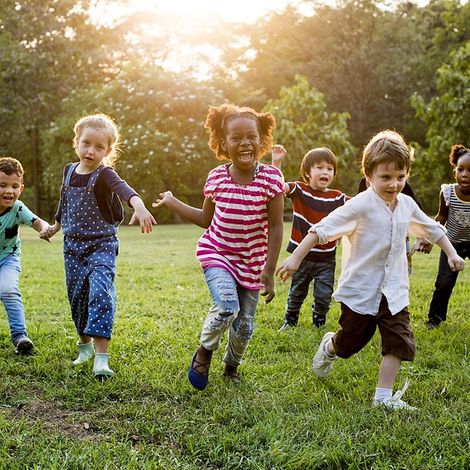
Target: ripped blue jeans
(234, 309)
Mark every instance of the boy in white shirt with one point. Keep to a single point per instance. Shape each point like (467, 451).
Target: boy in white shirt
(373, 286)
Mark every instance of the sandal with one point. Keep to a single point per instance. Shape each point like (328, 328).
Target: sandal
(198, 373)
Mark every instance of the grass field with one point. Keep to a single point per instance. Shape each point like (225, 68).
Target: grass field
(55, 416)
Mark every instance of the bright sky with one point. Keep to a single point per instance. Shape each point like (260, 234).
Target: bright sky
(229, 10)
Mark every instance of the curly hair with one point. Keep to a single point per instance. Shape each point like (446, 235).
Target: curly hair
(103, 123)
(386, 147)
(217, 118)
(11, 166)
(456, 152)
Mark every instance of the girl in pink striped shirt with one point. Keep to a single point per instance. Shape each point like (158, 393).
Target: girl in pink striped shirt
(242, 214)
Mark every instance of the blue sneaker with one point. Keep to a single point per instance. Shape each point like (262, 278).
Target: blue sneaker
(198, 378)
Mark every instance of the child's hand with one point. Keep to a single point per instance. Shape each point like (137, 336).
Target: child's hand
(288, 267)
(145, 219)
(456, 263)
(48, 231)
(278, 152)
(163, 199)
(267, 279)
(421, 245)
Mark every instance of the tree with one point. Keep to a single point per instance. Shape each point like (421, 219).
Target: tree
(49, 49)
(448, 122)
(303, 123)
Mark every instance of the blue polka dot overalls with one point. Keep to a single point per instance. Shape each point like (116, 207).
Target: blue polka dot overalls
(90, 250)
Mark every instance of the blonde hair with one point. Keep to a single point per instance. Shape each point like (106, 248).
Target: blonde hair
(105, 124)
(217, 118)
(386, 147)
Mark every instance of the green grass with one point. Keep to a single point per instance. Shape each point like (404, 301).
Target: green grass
(55, 416)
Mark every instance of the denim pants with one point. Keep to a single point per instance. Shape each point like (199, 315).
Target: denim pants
(323, 275)
(10, 295)
(234, 309)
(445, 282)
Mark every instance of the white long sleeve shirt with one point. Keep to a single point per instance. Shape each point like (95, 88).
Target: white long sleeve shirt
(377, 263)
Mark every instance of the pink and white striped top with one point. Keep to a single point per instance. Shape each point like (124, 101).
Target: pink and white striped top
(237, 239)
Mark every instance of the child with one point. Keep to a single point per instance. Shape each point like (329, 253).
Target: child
(13, 213)
(242, 213)
(420, 244)
(373, 286)
(311, 200)
(454, 213)
(89, 214)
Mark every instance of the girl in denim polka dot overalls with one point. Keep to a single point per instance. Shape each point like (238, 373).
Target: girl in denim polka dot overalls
(89, 214)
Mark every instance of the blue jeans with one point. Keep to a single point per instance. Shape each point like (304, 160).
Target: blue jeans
(234, 309)
(323, 275)
(10, 268)
(445, 282)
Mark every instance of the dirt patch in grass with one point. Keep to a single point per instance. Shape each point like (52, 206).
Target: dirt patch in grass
(52, 416)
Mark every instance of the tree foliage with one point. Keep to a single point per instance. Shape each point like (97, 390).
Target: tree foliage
(447, 121)
(303, 123)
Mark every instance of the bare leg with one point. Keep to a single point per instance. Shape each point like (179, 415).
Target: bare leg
(388, 371)
(204, 357)
(85, 339)
(101, 344)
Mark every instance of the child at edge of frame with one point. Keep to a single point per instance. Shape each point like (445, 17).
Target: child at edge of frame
(13, 213)
(454, 214)
(242, 214)
(373, 285)
(89, 214)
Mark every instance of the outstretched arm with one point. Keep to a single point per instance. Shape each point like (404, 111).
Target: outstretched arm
(275, 227)
(291, 264)
(200, 217)
(278, 153)
(42, 227)
(141, 214)
(456, 263)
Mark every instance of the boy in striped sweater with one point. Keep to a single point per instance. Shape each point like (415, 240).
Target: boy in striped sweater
(312, 199)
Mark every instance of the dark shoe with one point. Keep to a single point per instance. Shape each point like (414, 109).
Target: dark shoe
(198, 374)
(319, 323)
(23, 346)
(231, 374)
(431, 324)
(287, 325)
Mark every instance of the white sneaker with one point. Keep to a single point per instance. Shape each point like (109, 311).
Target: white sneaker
(395, 402)
(322, 364)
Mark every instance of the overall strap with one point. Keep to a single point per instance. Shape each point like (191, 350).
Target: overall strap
(69, 173)
(93, 177)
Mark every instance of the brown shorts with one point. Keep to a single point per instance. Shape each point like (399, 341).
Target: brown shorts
(356, 330)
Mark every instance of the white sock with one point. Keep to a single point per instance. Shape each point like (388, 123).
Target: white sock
(327, 352)
(382, 394)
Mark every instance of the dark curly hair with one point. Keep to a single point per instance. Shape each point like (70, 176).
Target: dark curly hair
(11, 166)
(217, 118)
(457, 151)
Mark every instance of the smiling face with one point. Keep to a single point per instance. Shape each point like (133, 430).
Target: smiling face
(242, 142)
(387, 181)
(11, 186)
(92, 147)
(462, 173)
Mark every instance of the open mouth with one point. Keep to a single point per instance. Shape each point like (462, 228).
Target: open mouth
(245, 156)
